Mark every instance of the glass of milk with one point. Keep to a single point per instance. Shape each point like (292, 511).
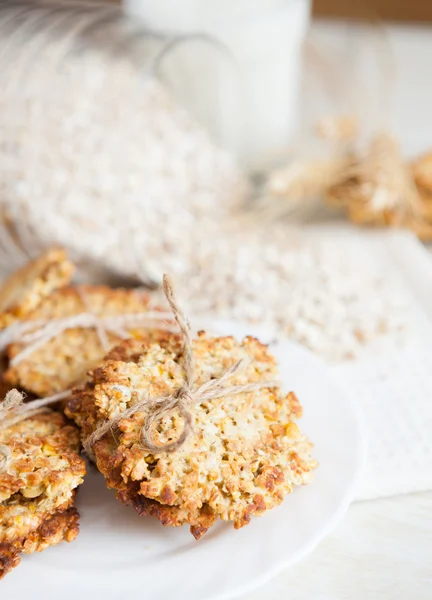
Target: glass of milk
(235, 64)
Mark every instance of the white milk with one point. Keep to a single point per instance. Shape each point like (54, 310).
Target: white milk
(239, 75)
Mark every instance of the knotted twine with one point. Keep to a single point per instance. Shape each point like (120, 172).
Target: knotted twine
(13, 410)
(182, 399)
(34, 334)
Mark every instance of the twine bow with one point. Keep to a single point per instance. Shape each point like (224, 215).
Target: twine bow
(184, 397)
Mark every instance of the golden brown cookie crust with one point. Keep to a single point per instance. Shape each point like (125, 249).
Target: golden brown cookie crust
(44, 462)
(246, 452)
(63, 362)
(37, 486)
(24, 289)
(61, 526)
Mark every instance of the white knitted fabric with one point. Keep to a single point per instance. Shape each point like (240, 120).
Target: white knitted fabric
(390, 377)
(392, 382)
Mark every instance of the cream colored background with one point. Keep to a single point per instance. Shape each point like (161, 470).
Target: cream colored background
(383, 548)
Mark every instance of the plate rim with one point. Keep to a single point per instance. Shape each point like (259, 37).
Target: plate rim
(255, 578)
(345, 502)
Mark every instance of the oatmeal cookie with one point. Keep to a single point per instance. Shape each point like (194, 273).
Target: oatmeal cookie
(37, 485)
(44, 462)
(244, 455)
(25, 288)
(55, 528)
(63, 361)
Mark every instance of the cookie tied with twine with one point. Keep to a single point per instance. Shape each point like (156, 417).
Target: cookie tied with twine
(32, 335)
(13, 410)
(184, 397)
(190, 431)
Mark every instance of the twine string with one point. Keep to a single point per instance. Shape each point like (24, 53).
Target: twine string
(32, 335)
(13, 410)
(5, 457)
(182, 399)
(100, 330)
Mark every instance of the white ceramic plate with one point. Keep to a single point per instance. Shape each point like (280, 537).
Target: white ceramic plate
(119, 555)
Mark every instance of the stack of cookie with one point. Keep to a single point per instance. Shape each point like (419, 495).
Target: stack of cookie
(245, 452)
(37, 487)
(63, 359)
(43, 466)
(39, 462)
(185, 429)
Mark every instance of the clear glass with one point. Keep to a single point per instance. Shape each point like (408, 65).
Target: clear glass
(244, 84)
(95, 154)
